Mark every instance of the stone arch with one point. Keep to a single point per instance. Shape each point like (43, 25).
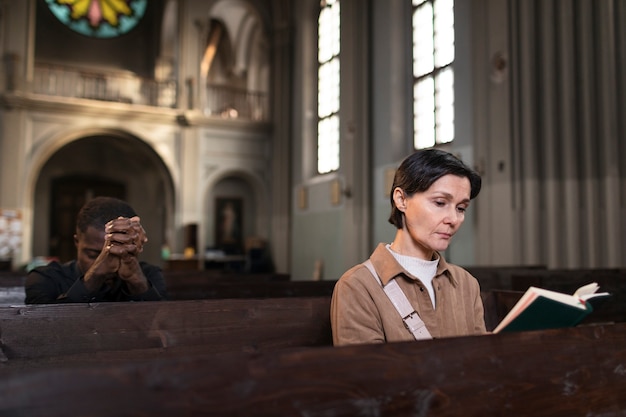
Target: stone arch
(105, 155)
(237, 184)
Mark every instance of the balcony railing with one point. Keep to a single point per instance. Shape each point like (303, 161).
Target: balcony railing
(231, 103)
(123, 88)
(65, 81)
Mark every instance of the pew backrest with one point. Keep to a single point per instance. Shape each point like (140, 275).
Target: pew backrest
(194, 290)
(124, 331)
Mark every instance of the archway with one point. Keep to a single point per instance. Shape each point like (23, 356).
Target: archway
(115, 164)
(236, 221)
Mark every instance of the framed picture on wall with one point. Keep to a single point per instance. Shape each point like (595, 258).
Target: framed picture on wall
(229, 224)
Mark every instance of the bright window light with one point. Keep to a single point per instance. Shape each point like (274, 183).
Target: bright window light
(328, 150)
(433, 74)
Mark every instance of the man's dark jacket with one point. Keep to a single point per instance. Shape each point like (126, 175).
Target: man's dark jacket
(63, 283)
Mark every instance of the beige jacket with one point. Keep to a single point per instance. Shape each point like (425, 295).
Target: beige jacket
(361, 312)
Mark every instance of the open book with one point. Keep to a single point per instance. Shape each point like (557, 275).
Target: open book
(544, 309)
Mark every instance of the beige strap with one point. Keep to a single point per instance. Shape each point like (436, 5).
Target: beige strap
(412, 320)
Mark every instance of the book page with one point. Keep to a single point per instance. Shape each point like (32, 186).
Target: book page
(590, 291)
(572, 300)
(587, 290)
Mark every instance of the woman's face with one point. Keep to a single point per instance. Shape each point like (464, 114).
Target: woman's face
(432, 217)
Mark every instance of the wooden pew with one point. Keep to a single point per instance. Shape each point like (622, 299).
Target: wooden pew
(251, 289)
(201, 285)
(185, 277)
(122, 332)
(15, 295)
(612, 280)
(508, 283)
(568, 280)
(12, 278)
(498, 303)
(519, 278)
(12, 295)
(500, 277)
(39, 335)
(12, 287)
(209, 284)
(567, 372)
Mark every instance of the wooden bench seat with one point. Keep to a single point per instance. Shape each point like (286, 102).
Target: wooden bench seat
(567, 372)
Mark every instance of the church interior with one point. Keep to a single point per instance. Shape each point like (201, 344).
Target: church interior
(209, 104)
(258, 140)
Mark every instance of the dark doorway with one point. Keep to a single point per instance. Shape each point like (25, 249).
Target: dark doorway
(68, 195)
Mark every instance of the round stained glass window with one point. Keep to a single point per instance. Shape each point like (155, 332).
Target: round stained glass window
(99, 18)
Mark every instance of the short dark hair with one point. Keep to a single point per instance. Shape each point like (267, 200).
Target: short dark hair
(421, 169)
(100, 210)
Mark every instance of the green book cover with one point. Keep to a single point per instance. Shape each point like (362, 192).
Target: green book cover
(545, 313)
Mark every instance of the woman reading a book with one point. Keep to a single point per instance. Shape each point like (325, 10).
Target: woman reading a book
(406, 290)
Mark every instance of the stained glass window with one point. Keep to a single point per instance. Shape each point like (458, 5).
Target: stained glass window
(99, 18)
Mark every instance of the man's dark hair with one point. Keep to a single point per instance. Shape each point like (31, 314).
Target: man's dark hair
(421, 169)
(100, 210)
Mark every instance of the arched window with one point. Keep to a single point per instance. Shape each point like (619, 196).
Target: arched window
(99, 18)
(328, 87)
(433, 74)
